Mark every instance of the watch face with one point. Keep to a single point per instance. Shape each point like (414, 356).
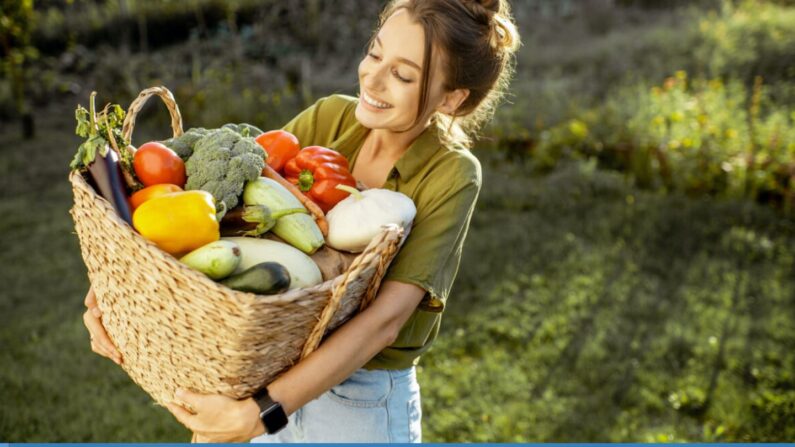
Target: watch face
(273, 418)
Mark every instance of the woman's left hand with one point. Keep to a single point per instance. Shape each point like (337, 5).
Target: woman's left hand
(217, 418)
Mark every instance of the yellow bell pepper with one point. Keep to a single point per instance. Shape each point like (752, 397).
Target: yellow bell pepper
(178, 222)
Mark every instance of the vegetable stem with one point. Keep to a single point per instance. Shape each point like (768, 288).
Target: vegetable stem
(276, 215)
(92, 114)
(358, 195)
(305, 180)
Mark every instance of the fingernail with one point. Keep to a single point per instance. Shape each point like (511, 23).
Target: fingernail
(96, 312)
(180, 393)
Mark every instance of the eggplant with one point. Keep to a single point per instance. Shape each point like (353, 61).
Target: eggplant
(253, 220)
(108, 180)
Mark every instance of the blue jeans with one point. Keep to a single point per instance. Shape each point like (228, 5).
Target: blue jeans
(375, 406)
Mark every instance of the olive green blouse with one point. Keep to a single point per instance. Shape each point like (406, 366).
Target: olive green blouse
(443, 182)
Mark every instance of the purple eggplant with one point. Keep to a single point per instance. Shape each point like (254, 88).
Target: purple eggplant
(108, 181)
(104, 171)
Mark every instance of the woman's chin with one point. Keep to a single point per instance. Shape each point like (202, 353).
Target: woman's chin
(367, 118)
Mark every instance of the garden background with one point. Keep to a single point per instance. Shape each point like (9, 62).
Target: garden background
(630, 270)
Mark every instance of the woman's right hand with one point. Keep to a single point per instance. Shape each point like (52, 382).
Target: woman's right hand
(100, 342)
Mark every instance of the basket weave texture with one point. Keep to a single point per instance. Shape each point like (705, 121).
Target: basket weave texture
(177, 328)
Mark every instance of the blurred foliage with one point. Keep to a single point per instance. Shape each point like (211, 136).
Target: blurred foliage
(587, 310)
(16, 26)
(725, 129)
(700, 137)
(746, 40)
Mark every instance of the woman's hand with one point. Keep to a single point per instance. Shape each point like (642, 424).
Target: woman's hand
(100, 342)
(217, 418)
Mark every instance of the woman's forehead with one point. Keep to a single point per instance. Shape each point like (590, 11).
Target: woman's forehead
(402, 36)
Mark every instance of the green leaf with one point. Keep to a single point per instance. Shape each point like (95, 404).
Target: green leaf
(83, 128)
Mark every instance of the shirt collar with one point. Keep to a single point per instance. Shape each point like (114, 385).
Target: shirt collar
(411, 162)
(419, 153)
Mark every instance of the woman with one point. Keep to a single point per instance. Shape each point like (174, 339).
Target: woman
(433, 72)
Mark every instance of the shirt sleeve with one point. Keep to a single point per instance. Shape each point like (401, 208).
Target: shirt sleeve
(431, 255)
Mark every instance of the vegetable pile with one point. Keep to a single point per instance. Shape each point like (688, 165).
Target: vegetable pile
(183, 194)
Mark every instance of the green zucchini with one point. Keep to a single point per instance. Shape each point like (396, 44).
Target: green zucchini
(217, 259)
(298, 230)
(265, 278)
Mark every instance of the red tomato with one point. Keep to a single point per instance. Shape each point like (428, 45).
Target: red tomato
(154, 163)
(150, 192)
(280, 146)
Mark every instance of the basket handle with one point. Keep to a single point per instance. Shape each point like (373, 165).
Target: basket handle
(138, 103)
(393, 237)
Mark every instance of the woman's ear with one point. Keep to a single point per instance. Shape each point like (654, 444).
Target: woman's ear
(452, 101)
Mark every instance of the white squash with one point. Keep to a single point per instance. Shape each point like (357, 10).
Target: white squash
(358, 218)
(303, 270)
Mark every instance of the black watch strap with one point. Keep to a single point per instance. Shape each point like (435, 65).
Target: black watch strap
(271, 413)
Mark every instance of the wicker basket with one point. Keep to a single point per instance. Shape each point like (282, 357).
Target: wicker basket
(177, 328)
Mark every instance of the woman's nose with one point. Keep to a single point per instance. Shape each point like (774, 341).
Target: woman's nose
(374, 77)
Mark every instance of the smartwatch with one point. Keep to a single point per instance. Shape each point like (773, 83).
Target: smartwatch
(271, 413)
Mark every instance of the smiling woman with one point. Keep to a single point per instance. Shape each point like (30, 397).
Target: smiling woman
(432, 74)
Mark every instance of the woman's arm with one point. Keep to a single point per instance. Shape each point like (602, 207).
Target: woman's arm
(349, 348)
(222, 419)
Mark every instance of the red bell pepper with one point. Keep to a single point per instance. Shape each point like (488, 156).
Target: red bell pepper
(317, 171)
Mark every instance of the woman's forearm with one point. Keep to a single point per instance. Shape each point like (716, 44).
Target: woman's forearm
(348, 348)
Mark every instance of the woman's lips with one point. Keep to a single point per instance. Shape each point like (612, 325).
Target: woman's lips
(374, 103)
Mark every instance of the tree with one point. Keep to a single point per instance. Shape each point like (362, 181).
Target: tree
(16, 26)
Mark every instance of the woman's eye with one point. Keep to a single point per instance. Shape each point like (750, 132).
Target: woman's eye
(374, 56)
(400, 78)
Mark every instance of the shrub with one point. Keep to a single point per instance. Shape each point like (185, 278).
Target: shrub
(696, 136)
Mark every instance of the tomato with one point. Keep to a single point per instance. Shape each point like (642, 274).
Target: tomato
(280, 146)
(150, 192)
(154, 163)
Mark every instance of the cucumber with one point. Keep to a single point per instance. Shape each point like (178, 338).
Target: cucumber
(298, 230)
(217, 259)
(265, 278)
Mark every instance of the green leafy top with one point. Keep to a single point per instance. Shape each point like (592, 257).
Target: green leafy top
(98, 130)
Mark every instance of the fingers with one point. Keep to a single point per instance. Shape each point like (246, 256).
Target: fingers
(91, 299)
(98, 349)
(182, 415)
(104, 346)
(191, 399)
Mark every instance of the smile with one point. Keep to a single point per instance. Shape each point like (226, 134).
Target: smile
(374, 102)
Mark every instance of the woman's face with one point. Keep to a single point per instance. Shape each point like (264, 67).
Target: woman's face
(390, 76)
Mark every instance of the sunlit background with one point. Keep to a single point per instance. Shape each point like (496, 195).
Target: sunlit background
(629, 274)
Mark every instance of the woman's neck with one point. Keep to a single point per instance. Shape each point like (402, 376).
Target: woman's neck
(392, 145)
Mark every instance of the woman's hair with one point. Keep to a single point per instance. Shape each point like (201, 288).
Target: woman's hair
(477, 40)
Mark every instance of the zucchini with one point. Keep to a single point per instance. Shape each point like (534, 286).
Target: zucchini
(217, 259)
(303, 270)
(253, 220)
(298, 230)
(266, 278)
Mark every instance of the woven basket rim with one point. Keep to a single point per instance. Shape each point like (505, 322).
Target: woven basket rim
(78, 181)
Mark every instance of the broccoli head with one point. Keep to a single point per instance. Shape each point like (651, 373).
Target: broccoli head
(183, 144)
(222, 163)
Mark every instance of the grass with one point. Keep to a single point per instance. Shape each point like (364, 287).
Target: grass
(585, 310)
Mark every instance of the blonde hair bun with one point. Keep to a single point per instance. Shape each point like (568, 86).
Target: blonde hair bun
(505, 35)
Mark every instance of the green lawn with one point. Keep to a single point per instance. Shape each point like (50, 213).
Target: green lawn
(585, 310)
